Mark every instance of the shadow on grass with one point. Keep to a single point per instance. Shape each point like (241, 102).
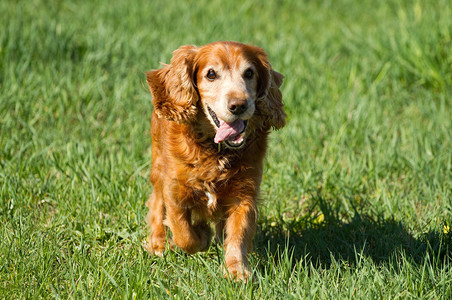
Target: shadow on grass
(377, 238)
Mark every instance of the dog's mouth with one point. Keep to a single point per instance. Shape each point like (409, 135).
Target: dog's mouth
(232, 134)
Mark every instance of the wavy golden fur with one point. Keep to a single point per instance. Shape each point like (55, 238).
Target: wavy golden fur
(196, 180)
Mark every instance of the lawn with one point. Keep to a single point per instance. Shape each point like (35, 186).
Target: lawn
(357, 188)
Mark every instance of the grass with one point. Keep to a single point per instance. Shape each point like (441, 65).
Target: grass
(357, 189)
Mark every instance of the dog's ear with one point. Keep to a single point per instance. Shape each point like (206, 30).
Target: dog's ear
(173, 89)
(269, 97)
(273, 100)
(263, 67)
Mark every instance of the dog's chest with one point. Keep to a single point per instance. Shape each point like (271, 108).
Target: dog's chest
(212, 200)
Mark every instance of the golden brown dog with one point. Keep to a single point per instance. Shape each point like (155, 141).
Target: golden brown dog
(214, 107)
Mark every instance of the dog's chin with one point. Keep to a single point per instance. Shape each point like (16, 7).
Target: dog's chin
(236, 144)
(237, 141)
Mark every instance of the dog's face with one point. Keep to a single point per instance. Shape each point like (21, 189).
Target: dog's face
(229, 81)
(228, 87)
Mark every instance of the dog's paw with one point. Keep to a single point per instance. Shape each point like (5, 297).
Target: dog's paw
(238, 271)
(204, 233)
(157, 246)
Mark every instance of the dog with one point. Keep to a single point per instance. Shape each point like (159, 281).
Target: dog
(214, 107)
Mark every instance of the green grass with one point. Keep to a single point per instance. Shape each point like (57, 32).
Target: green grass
(357, 188)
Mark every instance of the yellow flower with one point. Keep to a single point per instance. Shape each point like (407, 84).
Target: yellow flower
(319, 219)
(446, 228)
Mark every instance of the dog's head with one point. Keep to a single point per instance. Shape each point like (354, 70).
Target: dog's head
(231, 83)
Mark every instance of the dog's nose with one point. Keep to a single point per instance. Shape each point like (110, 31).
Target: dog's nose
(237, 106)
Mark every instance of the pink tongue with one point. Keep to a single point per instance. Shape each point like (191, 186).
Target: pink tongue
(229, 130)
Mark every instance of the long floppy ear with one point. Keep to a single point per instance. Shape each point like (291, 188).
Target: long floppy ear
(269, 97)
(276, 113)
(259, 58)
(172, 87)
(270, 101)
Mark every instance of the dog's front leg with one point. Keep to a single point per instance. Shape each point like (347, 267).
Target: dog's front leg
(240, 228)
(155, 217)
(189, 237)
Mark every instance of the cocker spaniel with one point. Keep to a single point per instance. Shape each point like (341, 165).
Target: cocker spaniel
(214, 107)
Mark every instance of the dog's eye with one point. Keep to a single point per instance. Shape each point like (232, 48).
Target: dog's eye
(211, 75)
(248, 74)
